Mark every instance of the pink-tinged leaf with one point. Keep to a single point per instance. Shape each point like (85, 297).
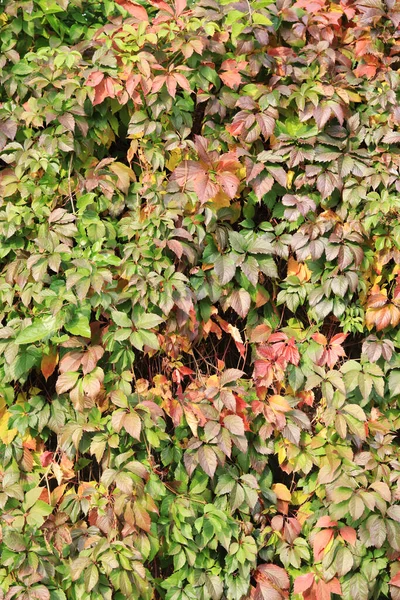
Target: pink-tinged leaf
(395, 580)
(90, 358)
(229, 183)
(334, 586)
(325, 521)
(231, 375)
(349, 534)
(207, 460)
(277, 575)
(171, 82)
(104, 90)
(383, 490)
(136, 10)
(161, 5)
(182, 81)
(240, 302)
(234, 424)
(158, 82)
(180, 6)
(186, 171)
(132, 424)
(94, 78)
(321, 540)
(46, 458)
(303, 583)
(176, 247)
(66, 381)
(205, 188)
(232, 79)
(265, 591)
(142, 517)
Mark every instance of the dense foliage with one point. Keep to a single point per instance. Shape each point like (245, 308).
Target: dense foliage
(199, 299)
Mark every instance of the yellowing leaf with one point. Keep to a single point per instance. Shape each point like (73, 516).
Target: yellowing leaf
(6, 435)
(299, 270)
(282, 492)
(289, 179)
(174, 159)
(279, 403)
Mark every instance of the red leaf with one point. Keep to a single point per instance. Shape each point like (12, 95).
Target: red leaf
(94, 78)
(136, 10)
(303, 583)
(170, 82)
(348, 534)
(46, 458)
(182, 81)
(395, 580)
(49, 363)
(180, 6)
(325, 522)
(321, 540)
(276, 575)
(229, 183)
(231, 78)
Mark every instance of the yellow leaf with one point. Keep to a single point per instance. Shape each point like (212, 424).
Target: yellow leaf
(300, 270)
(124, 174)
(282, 492)
(354, 97)
(279, 403)
(221, 200)
(289, 179)
(174, 159)
(282, 455)
(6, 435)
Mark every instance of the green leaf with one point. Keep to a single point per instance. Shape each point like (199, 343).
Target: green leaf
(15, 541)
(148, 321)
(359, 587)
(214, 586)
(39, 330)
(260, 19)
(394, 382)
(91, 577)
(79, 325)
(225, 268)
(121, 319)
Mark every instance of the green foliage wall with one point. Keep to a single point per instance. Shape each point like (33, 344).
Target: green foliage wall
(199, 299)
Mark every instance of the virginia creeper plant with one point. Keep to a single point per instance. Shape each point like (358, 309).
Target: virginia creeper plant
(199, 299)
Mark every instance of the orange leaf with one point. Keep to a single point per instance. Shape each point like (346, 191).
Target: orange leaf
(49, 363)
(321, 540)
(279, 403)
(303, 583)
(282, 492)
(136, 10)
(349, 534)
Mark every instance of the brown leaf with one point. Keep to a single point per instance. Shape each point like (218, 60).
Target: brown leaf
(49, 362)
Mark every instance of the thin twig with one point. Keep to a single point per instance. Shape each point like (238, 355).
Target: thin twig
(69, 184)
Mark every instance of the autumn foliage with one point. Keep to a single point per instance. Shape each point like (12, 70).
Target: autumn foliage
(199, 299)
